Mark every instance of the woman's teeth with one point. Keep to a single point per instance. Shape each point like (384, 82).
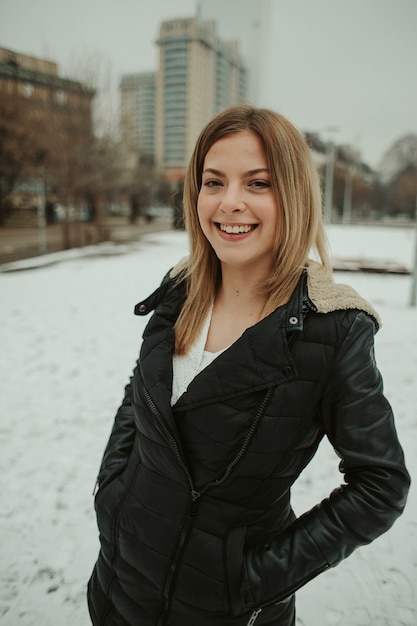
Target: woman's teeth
(236, 229)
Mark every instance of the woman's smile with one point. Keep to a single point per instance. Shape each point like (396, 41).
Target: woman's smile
(236, 203)
(236, 229)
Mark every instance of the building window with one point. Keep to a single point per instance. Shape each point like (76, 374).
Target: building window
(61, 97)
(28, 90)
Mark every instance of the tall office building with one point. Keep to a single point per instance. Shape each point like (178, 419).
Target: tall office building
(249, 22)
(199, 74)
(137, 104)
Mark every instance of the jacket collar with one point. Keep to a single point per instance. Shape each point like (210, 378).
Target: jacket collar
(326, 296)
(316, 290)
(176, 289)
(259, 359)
(167, 287)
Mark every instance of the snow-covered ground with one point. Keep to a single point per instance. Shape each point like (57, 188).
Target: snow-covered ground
(69, 341)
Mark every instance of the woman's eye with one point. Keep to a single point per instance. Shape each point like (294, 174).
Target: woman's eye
(261, 184)
(212, 183)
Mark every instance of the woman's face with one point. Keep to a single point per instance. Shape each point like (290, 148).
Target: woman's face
(236, 207)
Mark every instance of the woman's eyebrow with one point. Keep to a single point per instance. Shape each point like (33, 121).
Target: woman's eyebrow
(211, 170)
(258, 170)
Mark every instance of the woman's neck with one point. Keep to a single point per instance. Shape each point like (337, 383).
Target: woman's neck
(240, 289)
(238, 305)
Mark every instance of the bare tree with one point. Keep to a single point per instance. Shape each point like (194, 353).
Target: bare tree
(20, 145)
(398, 176)
(402, 193)
(400, 156)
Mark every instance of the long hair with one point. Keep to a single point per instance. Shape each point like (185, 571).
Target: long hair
(296, 185)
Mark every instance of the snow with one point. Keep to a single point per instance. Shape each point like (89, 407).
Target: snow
(69, 341)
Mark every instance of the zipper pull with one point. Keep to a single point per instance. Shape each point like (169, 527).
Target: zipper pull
(253, 617)
(195, 495)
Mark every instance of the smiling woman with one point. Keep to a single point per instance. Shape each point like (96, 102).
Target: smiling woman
(238, 215)
(236, 204)
(252, 355)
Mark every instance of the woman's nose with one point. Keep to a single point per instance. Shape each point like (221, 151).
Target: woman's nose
(232, 201)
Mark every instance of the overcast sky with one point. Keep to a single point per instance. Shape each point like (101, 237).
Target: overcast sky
(348, 64)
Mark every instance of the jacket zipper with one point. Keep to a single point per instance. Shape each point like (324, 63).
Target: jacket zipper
(253, 617)
(195, 494)
(174, 445)
(245, 445)
(288, 593)
(169, 581)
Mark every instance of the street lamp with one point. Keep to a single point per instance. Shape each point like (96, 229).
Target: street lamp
(413, 295)
(42, 239)
(352, 169)
(347, 197)
(328, 183)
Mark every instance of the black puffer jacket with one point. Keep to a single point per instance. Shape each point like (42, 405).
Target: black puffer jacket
(193, 509)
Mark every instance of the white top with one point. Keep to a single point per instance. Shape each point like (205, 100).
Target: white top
(187, 366)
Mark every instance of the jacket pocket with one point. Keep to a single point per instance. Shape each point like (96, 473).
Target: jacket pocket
(265, 574)
(103, 482)
(110, 496)
(239, 595)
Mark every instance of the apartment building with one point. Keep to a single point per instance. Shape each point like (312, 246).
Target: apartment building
(48, 124)
(198, 75)
(137, 113)
(37, 84)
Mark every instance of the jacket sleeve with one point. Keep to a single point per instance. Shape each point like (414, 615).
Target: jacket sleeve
(358, 421)
(120, 443)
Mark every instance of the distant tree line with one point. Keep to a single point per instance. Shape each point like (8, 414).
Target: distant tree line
(52, 153)
(83, 172)
(391, 191)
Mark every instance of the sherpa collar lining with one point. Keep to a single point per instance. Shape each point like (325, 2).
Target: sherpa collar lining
(327, 296)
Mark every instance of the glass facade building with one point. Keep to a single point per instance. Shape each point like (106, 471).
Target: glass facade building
(198, 75)
(138, 112)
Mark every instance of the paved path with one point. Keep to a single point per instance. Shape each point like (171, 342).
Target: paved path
(24, 242)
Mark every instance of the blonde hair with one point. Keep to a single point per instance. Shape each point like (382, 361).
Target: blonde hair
(296, 185)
